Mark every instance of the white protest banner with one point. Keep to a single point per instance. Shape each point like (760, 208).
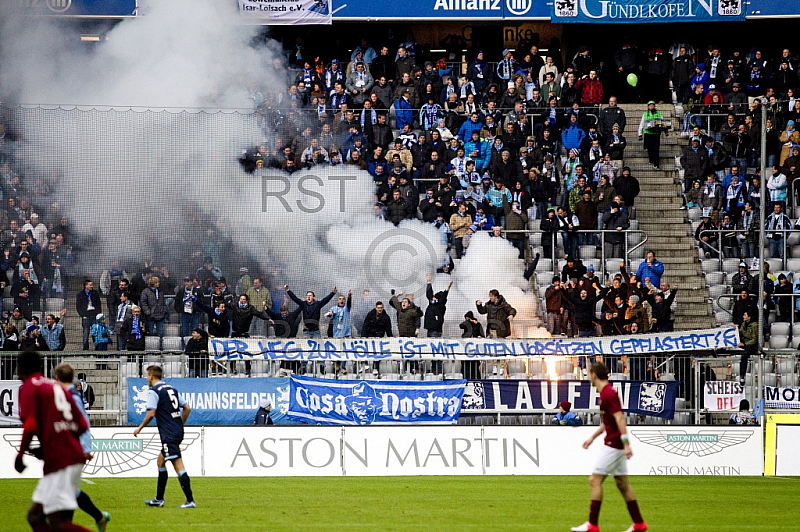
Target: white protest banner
(472, 349)
(287, 12)
(9, 402)
(720, 396)
(783, 397)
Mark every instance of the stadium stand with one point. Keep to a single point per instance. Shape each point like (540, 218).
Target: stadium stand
(405, 123)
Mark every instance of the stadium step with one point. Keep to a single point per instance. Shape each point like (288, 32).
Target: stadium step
(669, 234)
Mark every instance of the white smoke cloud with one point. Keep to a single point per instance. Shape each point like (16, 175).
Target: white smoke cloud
(178, 55)
(168, 183)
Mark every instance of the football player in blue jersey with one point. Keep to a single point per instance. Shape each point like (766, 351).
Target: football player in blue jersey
(171, 412)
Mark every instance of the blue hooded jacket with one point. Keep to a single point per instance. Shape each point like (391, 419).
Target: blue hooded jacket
(572, 136)
(403, 113)
(702, 77)
(465, 132)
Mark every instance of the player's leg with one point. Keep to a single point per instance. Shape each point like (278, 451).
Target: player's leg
(183, 478)
(62, 500)
(596, 485)
(86, 504)
(162, 482)
(36, 518)
(62, 522)
(625, 489)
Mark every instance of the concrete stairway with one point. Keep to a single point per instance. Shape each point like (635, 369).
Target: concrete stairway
(669, 233)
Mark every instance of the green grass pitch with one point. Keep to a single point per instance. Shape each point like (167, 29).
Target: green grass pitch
(429, 503)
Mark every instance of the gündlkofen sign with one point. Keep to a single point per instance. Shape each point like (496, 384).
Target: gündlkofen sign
(644, 11)
(287, 12)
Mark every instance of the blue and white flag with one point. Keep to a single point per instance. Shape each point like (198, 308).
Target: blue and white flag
(218, 401)
(354, 402)
(637, 397)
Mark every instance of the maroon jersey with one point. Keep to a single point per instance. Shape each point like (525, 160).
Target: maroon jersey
(57, 420)
(609, 405)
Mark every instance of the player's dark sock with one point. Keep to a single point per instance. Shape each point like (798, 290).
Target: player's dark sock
(594, 512)
(183, 478)
(86, 504)
(633, 509)
(162, 483)
(72, 527)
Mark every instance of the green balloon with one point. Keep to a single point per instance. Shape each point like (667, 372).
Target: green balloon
(632, 79)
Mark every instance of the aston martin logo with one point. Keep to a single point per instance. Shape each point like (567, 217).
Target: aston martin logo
(121, 452)
(702, 443)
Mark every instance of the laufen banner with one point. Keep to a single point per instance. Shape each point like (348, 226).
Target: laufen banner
(643, 11)
(646, 398)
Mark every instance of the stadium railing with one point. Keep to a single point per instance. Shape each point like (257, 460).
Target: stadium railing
(108, 375)
(631, 250)
(787, 233)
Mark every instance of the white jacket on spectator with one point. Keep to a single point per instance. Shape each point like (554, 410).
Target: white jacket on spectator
(39, 232)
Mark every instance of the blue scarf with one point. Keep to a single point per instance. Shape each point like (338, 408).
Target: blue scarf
(136, 328)
(432, 111)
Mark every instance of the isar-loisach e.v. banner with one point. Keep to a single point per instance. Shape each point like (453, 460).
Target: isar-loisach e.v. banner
(287, 12)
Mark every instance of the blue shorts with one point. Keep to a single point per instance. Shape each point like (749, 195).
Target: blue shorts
(171, 449)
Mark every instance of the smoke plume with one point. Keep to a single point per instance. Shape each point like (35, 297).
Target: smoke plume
(136, 142)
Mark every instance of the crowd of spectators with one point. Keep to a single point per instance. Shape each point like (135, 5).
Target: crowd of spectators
(39, 250)
(490, 145)
(578, 304)
(509, 138)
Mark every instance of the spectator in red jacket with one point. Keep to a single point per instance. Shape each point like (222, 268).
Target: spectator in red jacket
(590, 89)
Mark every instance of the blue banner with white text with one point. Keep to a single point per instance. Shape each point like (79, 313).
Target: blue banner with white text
(637, 397)
(354, 402)
(218, 401)
(644, 11)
